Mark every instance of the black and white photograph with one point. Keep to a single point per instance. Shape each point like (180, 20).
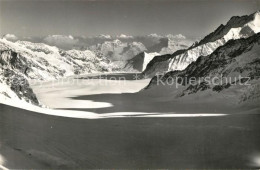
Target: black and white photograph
(129, 84)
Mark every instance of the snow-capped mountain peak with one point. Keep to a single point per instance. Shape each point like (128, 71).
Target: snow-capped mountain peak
(123, 36)
(104, 36)
(38, 47)
(236, 28)
(117, 50)
(235, 61)
(255, 24)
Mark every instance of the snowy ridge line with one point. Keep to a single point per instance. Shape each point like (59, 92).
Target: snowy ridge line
(208, 48)
(48, 62)
(183, 59)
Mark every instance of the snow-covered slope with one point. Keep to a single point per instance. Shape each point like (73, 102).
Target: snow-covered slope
(14, 86)
(49, 62)
(232, 69)
(23, 61)
(33, 65)
(237, 27)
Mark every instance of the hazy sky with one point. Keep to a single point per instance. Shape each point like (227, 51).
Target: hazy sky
(85, 17)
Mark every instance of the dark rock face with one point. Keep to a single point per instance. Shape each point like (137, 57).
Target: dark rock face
(13, 72)
(19, 85)
(223, 62)
(136, 63)
(14, 60)
(219, 88)
(17, 62)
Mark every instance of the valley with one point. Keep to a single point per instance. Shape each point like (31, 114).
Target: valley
(120, 102)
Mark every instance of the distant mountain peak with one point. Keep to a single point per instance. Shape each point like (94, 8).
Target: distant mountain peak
(236, 28)
(155, 35)
(59, 37)
(249, 23)
(123, 36)
(105, 36)
(178, 36)
(10, 37)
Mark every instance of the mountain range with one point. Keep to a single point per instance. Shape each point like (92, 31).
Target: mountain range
(236, 28)
(115, 50)
(225, 71)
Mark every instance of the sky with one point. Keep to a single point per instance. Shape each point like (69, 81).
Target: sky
(132, 17)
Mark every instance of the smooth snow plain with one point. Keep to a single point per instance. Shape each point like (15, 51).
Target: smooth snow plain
(148, 129)
(113, 95)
